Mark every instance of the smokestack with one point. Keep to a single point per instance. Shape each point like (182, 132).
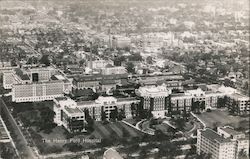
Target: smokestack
(90, 59)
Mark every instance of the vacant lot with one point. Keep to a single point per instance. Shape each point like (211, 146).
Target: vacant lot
(221, 118)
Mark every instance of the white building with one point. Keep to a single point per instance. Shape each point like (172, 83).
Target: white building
(66, 108)
(114, 70)
(226, 143)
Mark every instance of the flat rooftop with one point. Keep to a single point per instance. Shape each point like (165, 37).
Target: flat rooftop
(73, 110)
(214, 136)
(231, 131)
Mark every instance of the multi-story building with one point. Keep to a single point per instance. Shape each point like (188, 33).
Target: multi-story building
(180, 103)
(238, 103)
(210, 142)
(226, 143)
(36, 84)
(113, 70)
(155, 99)
(40, 91)
(211, 99)
(16, 76)
(67, 108)
(68, 115)
(40, 73)
(27, 75)
(86, 82)
(93, 81)
(241, 140)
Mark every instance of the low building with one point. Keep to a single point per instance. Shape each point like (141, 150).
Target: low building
(113, 70)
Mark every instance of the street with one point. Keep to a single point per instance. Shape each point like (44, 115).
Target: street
(24, 150)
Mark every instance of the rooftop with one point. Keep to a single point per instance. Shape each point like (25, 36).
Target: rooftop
(231, 131)
(73, 110)
(108, 82)
(239, 96)
(20, 73)
(212, 135)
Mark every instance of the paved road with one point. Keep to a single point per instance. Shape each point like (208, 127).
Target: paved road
(24, 150)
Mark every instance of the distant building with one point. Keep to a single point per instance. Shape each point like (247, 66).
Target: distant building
(93, 81)
(113, 70)
(5, 64)
(66, 108)
(99, 64)
(226, 143)
(121, 42)
(155, 99)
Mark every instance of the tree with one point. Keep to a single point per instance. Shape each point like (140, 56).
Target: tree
(121, 114)
(180, 123)
(149, 60)
(82, 62)
(45, 60)
(202, 105)
(233, 109)
(89, 120)
(103, 115)
(221, 103)
(114, 114)
(130, 67)
(242, 154)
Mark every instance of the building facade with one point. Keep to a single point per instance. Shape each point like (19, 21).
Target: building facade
(238, 104)
(98, 109)
(210, 142)
(180, 103)
(156, 99)
(114, 70)
(33, 92)
(226, 143)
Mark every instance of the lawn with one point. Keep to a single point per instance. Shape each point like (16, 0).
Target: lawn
(115, 129)
(221, 118)
(110, 132)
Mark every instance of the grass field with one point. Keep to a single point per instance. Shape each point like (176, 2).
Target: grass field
(221, 118)
(116, 129)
